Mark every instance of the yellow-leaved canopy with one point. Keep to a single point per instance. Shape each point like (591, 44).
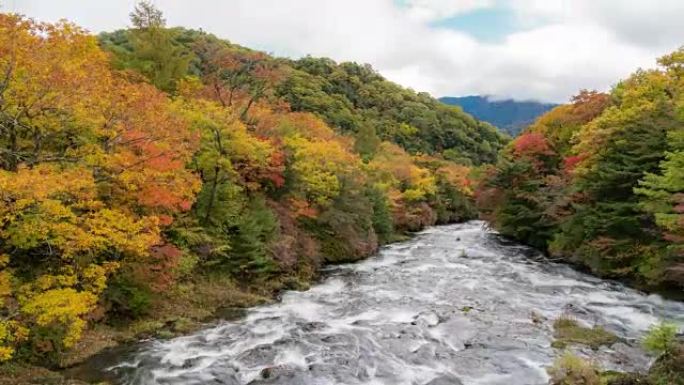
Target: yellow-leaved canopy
(92, 166)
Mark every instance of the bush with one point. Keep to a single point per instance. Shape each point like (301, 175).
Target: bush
(570, 369)
(661, 339)
(668, 369)
(128, 299)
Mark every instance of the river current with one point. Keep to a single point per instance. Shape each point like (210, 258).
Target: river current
(454, 305)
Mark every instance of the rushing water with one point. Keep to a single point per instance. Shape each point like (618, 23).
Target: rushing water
(454, 305)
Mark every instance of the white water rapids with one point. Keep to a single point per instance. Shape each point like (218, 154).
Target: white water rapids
(454, 305)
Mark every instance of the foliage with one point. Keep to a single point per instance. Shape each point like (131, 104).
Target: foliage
(257, 226)
(383, 224)
(663, 197)
(151, 49)
(355, 99)
(598, 181)
(154, 159)
(92, 169)
(570, 369)
(661, 339)
(514, 196)
(318, 167)
(569, 331)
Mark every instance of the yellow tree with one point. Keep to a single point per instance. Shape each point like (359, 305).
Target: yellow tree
(91, 167)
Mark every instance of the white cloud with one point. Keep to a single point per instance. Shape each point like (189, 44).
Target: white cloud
(641, 22)
(430, 10)
(566, 46)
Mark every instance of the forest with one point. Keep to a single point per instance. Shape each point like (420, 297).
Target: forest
(599, 182)
(152, 175)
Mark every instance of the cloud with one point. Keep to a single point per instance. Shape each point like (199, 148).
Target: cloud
(641, 22)
(560, 47)
(431, 10)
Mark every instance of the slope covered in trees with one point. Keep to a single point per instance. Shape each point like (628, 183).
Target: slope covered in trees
(599, 181)
(509, 115)
(351, 98)
(157, 166)
(358, 100)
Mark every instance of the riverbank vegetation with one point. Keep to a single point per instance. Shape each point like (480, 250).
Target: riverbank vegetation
(599, 182)
(150, 177)
(568, 330)
(668, 368)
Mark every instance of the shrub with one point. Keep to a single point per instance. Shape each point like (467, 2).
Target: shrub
(668, 369)
(128, 299)
(570, 369)
(661, 339)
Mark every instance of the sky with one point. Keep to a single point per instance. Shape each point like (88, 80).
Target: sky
(542, 50)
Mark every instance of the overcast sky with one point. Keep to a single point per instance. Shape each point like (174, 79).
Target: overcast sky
(525, 49)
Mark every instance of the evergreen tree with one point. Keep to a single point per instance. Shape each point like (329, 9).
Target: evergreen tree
(366, 141)
(249, 255)
(382, 217)
(155, 53)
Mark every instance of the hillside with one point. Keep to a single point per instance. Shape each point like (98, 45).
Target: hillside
(510, 116)
(352, 98)
(150, 177)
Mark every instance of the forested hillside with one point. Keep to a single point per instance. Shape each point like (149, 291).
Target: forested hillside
(351, 98)
(600, 181)
(509, 115)
(152, 176)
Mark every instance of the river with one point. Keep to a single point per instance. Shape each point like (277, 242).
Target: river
(454, 305)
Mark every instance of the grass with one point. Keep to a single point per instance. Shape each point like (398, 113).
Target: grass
(25, 374)
(570, 369)
(617, 378)
(567, 331)
(190, 305)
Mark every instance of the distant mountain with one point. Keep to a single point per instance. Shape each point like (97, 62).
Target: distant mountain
(508, 115)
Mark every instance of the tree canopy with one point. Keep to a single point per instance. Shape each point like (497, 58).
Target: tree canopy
(599, 181)
(136, 165)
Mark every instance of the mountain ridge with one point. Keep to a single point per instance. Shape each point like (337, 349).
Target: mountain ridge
(509, 115)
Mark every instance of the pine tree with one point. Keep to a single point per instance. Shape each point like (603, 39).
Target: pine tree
(249, 255)
(155, 53)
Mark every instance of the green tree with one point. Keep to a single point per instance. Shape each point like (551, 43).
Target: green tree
(662, 195)
(146, 15)
(366, 141)
(661, 339)
(382, 217)
(606, 229)
(155, 53)
(249, 239)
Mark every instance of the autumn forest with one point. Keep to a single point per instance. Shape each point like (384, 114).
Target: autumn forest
(137, 164)
(151, 176)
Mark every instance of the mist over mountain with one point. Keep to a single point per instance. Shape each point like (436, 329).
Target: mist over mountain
(509, 115)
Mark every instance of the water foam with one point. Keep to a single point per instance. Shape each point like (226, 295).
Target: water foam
(453, 304)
